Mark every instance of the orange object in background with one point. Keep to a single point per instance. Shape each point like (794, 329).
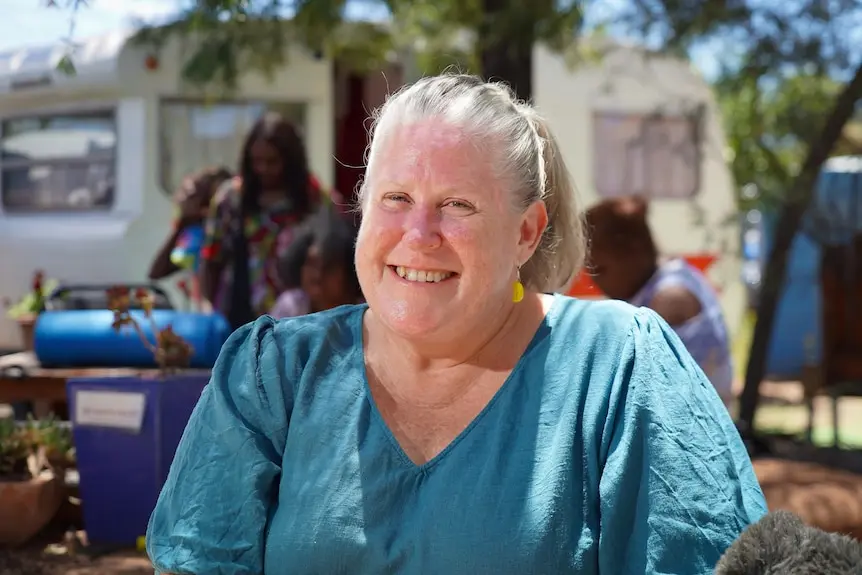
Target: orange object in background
(701, 261)
(584, 287)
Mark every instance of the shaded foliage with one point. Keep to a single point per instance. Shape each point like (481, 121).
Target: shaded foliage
(769, 129)
(479, 35)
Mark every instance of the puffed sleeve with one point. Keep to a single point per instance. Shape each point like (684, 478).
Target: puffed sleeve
(677, 486)
(212, 512)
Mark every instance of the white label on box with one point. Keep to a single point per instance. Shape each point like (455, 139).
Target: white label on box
(115, 409)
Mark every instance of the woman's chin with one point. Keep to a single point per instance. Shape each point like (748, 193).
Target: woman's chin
(413, 321)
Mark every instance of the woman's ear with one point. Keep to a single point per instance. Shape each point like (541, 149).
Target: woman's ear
(532, 227)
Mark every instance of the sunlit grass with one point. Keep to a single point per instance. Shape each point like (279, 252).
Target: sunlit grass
(793, 419)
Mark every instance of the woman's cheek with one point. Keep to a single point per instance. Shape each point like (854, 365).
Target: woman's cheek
(383, 222)
(459, 232)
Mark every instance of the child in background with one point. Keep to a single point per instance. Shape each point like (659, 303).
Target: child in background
(181, 248)
(318, 269)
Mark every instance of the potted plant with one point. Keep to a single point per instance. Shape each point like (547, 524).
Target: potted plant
(149, 413)
(34, 457)
(27, 309)
(170, 351)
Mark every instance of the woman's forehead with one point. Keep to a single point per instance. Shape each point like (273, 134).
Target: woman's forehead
(264, 147)
(432, 150)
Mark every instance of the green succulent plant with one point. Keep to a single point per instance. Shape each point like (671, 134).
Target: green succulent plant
(13, 451)
(28, 448)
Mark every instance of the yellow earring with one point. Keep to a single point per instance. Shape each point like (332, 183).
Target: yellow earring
(518, 288)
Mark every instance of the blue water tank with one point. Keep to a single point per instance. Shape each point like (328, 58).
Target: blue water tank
(796, 335)
(86, 338)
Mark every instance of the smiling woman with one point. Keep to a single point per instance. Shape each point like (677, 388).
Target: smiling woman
(461, 422)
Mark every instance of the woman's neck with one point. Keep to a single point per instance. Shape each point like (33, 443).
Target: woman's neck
(485, 345)
(434, 373)
(270, 198)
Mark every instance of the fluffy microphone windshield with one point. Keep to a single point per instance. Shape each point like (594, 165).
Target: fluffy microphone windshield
(781, 544)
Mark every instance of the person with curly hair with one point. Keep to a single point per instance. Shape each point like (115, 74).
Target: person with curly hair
(192, 201)
(319, 268)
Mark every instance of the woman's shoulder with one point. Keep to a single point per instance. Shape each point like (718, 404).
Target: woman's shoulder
(583, 320)
(345, 320)
(610, 331)
(614, 340)
(282, 351)
(342, 324)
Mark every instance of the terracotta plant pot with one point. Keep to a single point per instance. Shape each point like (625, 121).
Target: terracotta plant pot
(27, 325)
(27, 506)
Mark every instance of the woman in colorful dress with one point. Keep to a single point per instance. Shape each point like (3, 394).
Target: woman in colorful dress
(252, 221)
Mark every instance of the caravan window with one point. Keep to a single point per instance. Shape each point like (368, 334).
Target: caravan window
(656, 156)
(58, 162)
(194, 135)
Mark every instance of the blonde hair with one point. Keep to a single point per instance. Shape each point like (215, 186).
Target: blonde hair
(529, 160)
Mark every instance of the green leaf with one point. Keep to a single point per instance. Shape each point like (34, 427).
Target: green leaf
(66, 65)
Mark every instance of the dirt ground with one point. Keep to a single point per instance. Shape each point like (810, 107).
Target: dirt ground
(34, 561)
(48, 554)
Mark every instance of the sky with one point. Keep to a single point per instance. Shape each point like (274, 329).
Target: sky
(29, 23)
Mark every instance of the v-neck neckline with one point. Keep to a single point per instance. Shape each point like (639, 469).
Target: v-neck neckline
(377, 417)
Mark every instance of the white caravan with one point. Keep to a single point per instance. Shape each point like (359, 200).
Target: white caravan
(89, 161)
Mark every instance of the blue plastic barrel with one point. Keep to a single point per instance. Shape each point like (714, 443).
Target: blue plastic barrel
(122, 470)
(797, 319)
(796, 335)
(86, 338)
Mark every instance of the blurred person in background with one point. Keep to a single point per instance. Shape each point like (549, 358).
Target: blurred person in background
(192, 201)
(319, 269)
(253, 219)
(625, 265)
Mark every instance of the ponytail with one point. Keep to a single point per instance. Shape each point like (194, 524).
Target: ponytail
(560, 255)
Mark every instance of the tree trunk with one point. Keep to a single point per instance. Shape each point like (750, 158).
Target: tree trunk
(506, 48)
(790, 218)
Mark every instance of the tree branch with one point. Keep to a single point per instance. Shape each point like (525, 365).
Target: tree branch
(790, 217)
(776, 166)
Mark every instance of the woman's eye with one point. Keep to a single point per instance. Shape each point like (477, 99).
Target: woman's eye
(396, 198)
(458, 204)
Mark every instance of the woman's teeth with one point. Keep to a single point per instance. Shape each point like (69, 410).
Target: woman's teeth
(412, 275)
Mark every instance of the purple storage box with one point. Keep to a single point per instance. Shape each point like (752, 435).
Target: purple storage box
(126, 431)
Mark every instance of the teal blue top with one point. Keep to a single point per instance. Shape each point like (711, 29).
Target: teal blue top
(606, 451)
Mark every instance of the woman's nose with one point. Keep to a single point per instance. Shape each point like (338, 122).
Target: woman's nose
(422, 228)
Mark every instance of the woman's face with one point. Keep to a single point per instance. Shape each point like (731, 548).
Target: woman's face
(440, 238)
(619, 267)
(267, 165)
(613, 273)
(621, 254)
